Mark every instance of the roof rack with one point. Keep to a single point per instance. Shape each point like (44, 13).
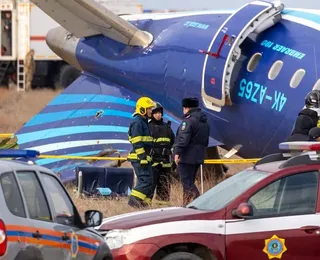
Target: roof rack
(294, 153)
(299, 160)
(270, 158)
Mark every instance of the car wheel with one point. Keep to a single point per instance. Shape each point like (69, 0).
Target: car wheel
(182, 256)
(68, 75)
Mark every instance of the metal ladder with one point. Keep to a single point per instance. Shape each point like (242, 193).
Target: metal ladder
(21, 83)
(23, 41)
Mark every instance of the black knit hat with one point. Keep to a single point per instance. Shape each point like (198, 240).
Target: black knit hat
(190, 102)
(314, 132)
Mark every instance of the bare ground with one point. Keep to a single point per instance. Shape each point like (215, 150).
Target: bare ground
(16, 108)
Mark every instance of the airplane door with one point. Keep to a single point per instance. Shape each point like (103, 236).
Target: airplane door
(224, 50)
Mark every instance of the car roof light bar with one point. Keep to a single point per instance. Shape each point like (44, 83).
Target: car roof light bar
(15, 153)
(300, 146)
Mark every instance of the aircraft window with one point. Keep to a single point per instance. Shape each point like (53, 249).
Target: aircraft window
(297, 77)
(253, 62)
(275, 69)
(317, 85)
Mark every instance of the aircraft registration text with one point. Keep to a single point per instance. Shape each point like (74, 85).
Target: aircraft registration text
(282, 49)
(257, 93)
(196, 25)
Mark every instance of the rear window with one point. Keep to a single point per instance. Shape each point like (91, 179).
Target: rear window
(226, 191)
(12, 194)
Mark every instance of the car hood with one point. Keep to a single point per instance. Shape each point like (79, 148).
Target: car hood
(149, 217)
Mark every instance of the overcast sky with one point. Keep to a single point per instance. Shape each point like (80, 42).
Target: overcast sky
(218, 4)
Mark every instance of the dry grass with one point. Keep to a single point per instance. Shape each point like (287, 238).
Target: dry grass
(110, 207)
(16, 108)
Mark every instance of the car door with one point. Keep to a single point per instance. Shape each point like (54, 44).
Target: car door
(14, 216)
(76, 245)
(284, 225)
(42, 235)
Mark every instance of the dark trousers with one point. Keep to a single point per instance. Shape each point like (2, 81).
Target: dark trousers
(143, 192)
(162, 182)
(188, 174)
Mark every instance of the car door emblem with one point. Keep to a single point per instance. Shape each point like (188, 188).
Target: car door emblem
(274, 247)
(74, 245)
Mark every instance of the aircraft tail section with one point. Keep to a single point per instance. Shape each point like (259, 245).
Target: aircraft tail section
(89, 118)
(84, 18)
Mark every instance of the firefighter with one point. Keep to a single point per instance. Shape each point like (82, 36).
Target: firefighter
(163, 140)
(192, 138)
(307, 118)
(142, 143)
(30, 67)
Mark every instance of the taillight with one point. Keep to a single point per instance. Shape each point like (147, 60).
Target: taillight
(3, 238)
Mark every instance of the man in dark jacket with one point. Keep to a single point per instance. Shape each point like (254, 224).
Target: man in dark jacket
(314, 134)
(307, 118)
(192, 138)
(163, 140)
(140, 156)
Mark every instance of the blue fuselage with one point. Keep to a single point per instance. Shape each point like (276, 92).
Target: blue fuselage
(263, 110)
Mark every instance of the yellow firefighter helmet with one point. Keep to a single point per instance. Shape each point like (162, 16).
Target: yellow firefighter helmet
(143, 104)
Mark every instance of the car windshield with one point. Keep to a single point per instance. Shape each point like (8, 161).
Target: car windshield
(223, 193)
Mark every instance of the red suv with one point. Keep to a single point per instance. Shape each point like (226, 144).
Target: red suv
(268, 211)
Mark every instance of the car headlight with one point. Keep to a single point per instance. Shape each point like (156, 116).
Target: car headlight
(116, 238)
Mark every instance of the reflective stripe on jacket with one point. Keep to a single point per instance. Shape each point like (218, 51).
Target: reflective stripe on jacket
(141, 140)
(163, 140)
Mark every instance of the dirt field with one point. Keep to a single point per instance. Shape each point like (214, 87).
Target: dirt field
(16, 108)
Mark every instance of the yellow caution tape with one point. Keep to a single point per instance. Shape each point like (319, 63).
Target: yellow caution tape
(69, 157)
(209, 161)
(231, 161)
(8, 135)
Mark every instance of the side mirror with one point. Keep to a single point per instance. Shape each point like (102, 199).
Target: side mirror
(243, 211)
(93, 218)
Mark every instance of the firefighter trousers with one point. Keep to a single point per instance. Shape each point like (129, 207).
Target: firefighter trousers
(187, 173)
(162, 182)
(143, 191)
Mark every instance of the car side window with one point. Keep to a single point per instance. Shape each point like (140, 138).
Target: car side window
(62, 204)
(38, 207)
(293, 195)
(12, 194)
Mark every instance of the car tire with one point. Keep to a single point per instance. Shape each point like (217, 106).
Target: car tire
(68, 75)
(182, 256)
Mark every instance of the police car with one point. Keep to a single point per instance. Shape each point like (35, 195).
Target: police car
(271, 210)
(38, 220)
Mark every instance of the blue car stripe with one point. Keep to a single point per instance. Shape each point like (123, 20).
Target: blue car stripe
(50, 238)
